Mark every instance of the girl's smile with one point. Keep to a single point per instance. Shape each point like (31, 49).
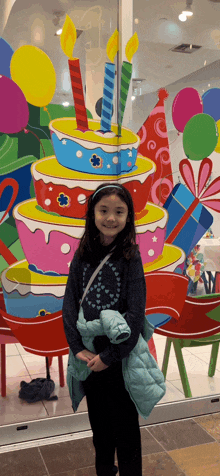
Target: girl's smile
(111, 215)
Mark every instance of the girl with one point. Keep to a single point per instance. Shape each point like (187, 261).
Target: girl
(120, 285)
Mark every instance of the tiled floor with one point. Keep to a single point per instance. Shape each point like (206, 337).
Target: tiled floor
(183, 448)
(21, 365)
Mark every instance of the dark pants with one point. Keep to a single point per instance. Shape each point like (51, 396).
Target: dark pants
(114, 422)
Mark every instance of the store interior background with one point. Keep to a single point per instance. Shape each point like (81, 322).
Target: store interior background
(155, 65)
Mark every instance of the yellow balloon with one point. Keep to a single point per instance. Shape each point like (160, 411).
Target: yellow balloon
(217, 149)
(33, 71)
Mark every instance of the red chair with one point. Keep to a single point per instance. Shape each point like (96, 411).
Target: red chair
(199, 325)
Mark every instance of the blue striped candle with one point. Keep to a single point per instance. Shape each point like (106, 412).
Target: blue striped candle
(107, 100)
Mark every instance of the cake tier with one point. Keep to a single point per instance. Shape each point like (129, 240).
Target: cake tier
(92, 151)
(65, 191)
(171, 259)
(50, 241)
(29, 294)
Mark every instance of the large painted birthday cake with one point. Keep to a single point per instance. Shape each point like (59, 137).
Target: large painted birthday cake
(51, 226)
(87, 153)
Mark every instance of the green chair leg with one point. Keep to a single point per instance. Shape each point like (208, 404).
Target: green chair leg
(213, 359)
(182, 368)
(166, 356)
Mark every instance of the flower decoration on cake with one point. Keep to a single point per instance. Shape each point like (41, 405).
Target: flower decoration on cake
(63, 200)
(43, 313)
(96, 161)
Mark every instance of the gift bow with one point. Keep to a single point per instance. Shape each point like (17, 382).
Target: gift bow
(200, 194)
(205, 170)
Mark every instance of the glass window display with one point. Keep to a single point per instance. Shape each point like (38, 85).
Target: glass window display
(122, 93)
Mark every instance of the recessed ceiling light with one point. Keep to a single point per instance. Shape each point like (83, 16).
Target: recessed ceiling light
(182, 17)
(136, 21)
(209, 85)
(58, 32)
(65, 103)
(132, 98)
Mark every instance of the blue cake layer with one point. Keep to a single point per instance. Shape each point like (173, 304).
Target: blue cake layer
(31, 305)
(93, 161)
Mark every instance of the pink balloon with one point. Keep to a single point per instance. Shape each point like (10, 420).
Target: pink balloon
(14, 112)
(186, 104)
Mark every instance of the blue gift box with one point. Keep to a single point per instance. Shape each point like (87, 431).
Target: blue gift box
(198, 223)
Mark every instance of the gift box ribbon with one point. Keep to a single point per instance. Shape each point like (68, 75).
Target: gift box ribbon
(200, 193)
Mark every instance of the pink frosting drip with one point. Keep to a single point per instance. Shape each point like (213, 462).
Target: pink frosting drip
(47, 256)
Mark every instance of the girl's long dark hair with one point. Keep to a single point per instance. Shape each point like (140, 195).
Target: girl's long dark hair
(125, 241)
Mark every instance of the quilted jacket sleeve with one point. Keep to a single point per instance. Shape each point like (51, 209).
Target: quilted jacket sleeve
(71, 308)
(134, 316)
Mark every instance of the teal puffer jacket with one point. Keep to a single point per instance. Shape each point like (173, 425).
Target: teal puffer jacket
(142, 377)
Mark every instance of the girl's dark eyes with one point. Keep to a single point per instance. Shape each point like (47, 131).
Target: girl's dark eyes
(118, 212)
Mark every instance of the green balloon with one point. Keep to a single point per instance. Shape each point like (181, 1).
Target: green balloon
(200, 137)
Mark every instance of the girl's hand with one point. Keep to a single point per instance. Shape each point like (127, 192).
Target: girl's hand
(96, 364)
(85, 355)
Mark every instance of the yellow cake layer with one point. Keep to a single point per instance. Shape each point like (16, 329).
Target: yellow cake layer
(68, 127)
(50, 166)
(20, 273)
(171, 254)
(31, 210)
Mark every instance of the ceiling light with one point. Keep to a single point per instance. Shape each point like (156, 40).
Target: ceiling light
(136, 21)
(66, 104)
(58, 32)
(132, 98)
(182, 17)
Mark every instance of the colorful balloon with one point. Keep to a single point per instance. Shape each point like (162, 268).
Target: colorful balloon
(34, 73)
(211, 103)
(200, 137)
(14, 108)
(6, 53)
(186, 104)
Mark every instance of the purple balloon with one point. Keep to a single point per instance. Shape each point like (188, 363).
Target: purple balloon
(186, 104)
(14, 112)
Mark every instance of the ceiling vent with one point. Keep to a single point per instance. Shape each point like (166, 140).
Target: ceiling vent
(186, 48)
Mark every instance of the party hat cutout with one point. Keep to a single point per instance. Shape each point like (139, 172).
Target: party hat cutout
(155, 145)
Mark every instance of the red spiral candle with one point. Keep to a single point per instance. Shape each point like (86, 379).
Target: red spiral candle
(67, 41)
(78, 96)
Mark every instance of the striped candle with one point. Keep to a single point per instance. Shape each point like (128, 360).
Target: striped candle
(109, 80)
(78, 96)
(67, 40)
(107, 100)
(126, 72)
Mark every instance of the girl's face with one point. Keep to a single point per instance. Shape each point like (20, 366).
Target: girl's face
(111, 215)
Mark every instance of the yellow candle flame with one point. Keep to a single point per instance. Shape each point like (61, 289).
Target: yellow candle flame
(113, 46)
(68, 37)
(132, 47)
